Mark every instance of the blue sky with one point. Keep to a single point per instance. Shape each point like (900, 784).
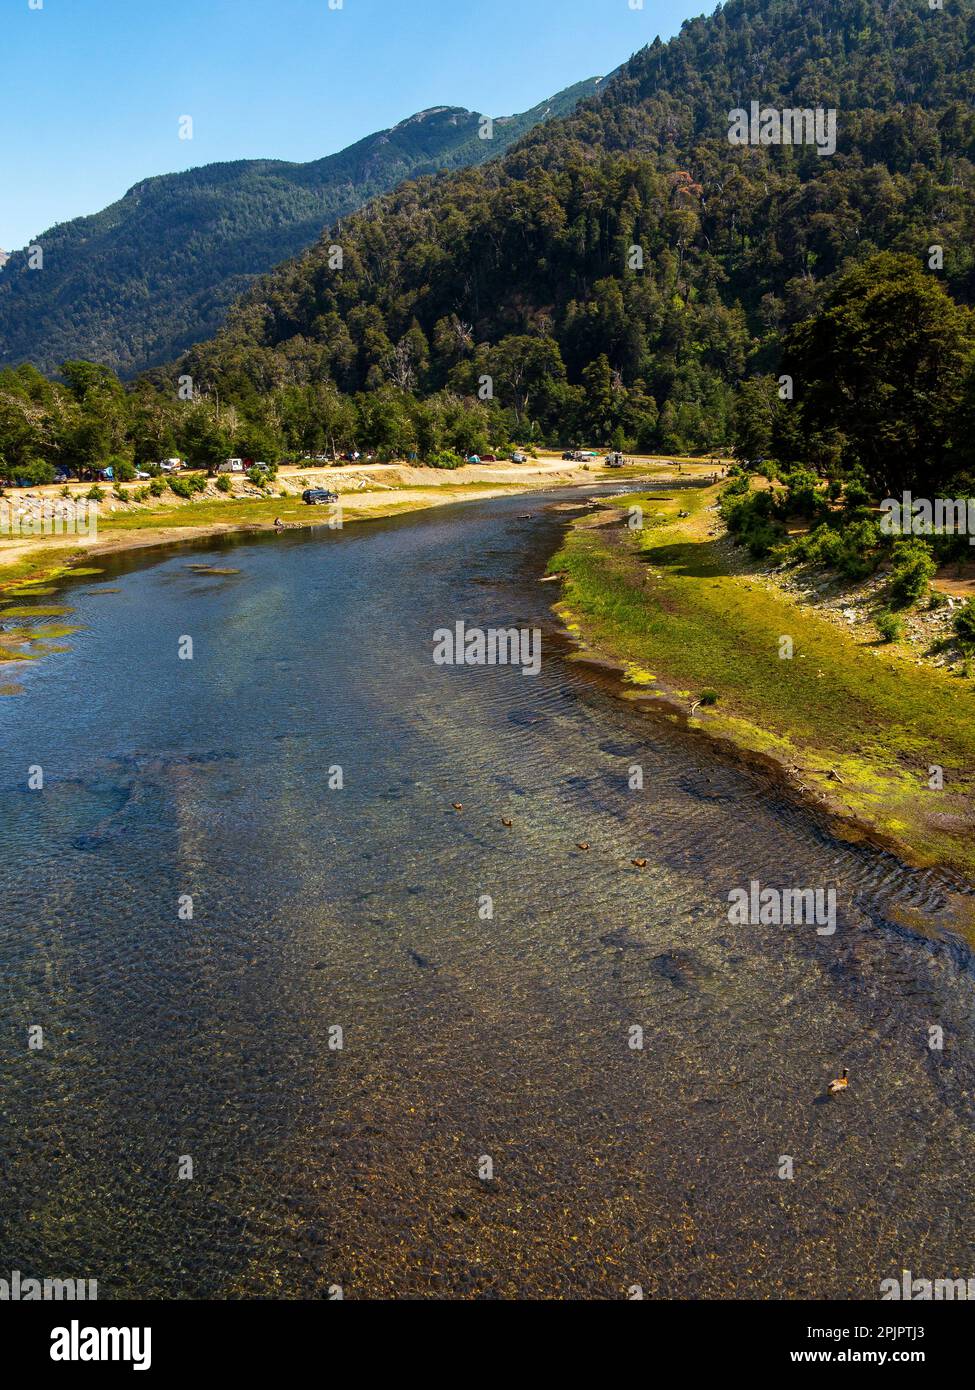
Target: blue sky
(91, 91)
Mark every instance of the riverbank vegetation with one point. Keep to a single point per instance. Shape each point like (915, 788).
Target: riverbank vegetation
(855, 726)
(869, 470)
(89, 421)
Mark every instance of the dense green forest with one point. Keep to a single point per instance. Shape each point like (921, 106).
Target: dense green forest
(520, 270)
(139, 282)
(625, 274)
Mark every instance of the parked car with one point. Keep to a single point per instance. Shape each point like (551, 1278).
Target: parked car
(318, 497)
(519, 457)
(615, 459)
(489, 458)
(170, 465)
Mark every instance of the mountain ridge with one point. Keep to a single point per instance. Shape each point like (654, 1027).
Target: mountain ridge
(193, 240)
(739, 242)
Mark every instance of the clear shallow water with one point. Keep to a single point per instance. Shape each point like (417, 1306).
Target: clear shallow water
(463, 1037)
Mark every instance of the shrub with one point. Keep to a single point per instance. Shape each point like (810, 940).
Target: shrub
(951, 548)
(749, 519)
(856, 496)
(94, 493)
(708, 697)
(737, 486)
(914, 566)
(963, 623)
(853, 549)
(35, 473)
(890, 627)
(123, 469)
(157, 487)
(181, 487)
(445, 458)
(262, 474)
(223, 483)
(761, 539)
(804, 497)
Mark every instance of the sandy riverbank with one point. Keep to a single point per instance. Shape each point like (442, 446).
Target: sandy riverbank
(366, 492)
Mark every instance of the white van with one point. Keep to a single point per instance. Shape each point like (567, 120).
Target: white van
(231, 466)
(171, 465)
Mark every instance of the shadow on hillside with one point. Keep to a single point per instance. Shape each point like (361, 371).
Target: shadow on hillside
(690, 559)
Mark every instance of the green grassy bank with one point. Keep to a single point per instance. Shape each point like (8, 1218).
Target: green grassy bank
(853, 725)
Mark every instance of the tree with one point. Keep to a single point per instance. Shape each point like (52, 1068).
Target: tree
(91, 442)
(35, 472)
(600, 401)
(756, 405)
(882, 367)
(205, 439)
(523, 367)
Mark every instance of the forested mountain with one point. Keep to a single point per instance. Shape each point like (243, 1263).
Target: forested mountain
(139, 282)
(523, 270)
(624, 273)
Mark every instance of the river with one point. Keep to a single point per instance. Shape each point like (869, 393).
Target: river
(487, 979)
